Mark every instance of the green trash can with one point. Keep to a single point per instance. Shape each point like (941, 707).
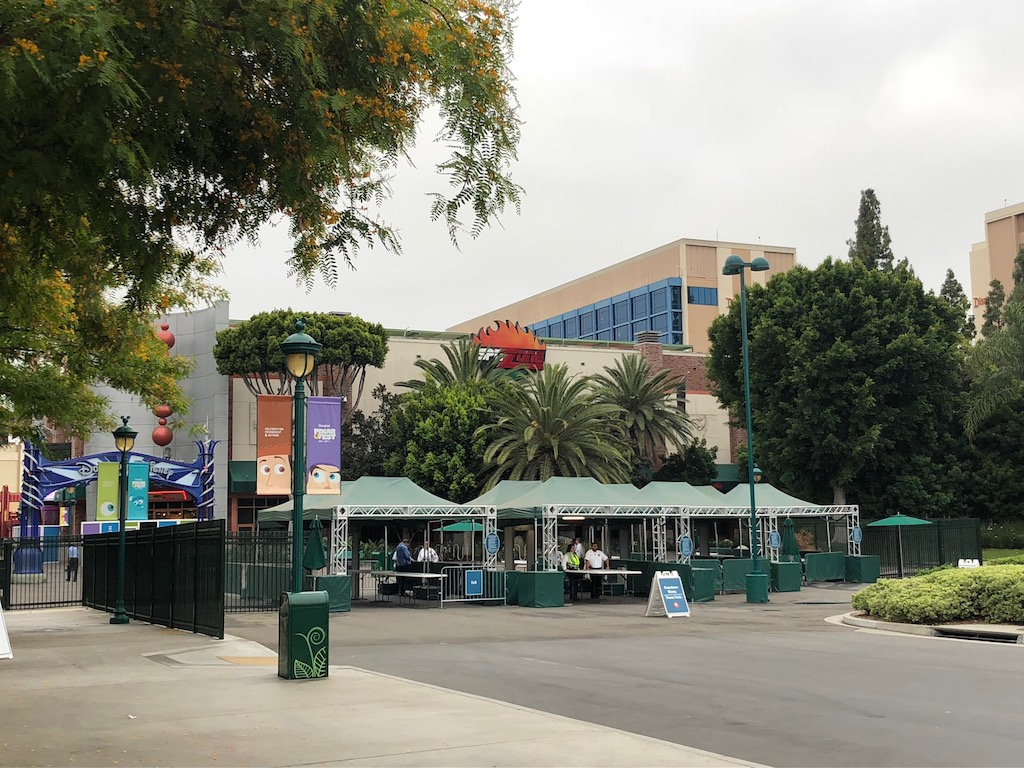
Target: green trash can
(302, 635)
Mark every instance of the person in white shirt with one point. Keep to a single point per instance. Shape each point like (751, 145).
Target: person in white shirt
(72, 570)
(427, 554)
(577, 547)
(595, 560)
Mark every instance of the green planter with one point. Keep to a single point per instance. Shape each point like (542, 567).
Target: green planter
(339, 592)
(863, 569)
(787, 577)
(825, 566)
(703, 584)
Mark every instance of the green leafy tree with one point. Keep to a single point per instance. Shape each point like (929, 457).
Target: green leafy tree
(871, 244)
(996, 368)
(642, 399)
(855, 378)
(696, 465)
(997, 454)
(953, 293)
(252, 350)
(464, 365)
(551, 425)
(367, 439)
(993, 316)
(439, 446)
(139, 138)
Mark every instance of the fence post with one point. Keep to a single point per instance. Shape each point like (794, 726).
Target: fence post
(5, 572)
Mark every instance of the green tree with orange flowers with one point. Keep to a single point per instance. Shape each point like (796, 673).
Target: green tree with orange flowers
(139, 138)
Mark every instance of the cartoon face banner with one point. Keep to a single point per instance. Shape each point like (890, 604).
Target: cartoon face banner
(273, 445)
(138, 491)
(107, 474)
(323, 445)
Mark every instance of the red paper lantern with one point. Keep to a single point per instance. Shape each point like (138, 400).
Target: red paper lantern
(165, 335)
(162, 411)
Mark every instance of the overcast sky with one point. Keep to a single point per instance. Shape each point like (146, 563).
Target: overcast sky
(749, 121)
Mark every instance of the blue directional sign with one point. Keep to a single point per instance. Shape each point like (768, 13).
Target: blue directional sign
(685, 546)
(858, 534)
(474, 583)
(774, 539)
(672, 596)
(492, 543)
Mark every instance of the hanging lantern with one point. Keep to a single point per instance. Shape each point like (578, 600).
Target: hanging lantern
(165, 335)
(163, 435)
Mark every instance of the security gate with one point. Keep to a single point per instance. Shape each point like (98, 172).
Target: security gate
(472, 584)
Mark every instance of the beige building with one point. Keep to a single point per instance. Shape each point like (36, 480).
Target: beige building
(993, 258)
(676, 290)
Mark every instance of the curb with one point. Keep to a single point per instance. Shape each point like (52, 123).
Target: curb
(973, 632)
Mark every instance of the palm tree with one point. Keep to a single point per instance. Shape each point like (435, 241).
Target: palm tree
(996, 364)
(551, 426)
(641, 398)
(464, 365)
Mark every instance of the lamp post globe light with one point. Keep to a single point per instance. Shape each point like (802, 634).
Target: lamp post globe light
(300, 351)
(124, 441)
(757, 581)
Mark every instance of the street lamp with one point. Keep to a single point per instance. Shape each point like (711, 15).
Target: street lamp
(757, 582)
(124, 441)
(300, 351)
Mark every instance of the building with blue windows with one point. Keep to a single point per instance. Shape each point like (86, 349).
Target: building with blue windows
(676, 291)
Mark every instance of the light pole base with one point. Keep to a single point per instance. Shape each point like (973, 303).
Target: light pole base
(115, 619)
(757, 587)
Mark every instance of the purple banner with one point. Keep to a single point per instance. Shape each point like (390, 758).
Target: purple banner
(323, 445)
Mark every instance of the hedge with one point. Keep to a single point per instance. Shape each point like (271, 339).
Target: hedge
(992, 594)
(1011, 560)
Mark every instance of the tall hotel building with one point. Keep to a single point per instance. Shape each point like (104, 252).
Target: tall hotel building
(676, 291)
(993, 259)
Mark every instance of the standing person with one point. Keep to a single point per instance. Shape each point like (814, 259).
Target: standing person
(571, 562)
(427, 553)
(403, 561)
(596, 559)
(577, 547)
(72, 572)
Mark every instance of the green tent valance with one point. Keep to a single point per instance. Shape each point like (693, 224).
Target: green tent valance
(242, 476)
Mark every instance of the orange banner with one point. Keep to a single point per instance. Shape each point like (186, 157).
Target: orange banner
(273, 445)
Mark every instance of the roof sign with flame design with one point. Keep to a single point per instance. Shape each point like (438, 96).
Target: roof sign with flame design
(520, 347)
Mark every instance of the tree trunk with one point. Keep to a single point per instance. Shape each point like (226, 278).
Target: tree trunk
(838, 494)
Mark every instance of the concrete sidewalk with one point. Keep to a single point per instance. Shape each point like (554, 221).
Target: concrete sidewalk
(1000, 633)
(84, 693)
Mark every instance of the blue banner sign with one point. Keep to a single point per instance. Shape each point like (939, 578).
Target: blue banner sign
(474, 583)
(492, 543)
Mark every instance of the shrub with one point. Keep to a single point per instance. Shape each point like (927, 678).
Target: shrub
(943, 567)
(1012, 560)
(1003, 536)
(991, 594)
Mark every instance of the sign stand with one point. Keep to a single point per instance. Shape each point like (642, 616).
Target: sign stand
(667, 597)
(5, 641)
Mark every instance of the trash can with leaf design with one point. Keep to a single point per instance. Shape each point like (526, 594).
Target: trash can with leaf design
(302, 635)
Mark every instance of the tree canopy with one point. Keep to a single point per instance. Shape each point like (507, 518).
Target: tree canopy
(855, 377)
(953, 293)
(462, 367)
(252, 350)
(993, 315)
(138, 138)
(696, 465)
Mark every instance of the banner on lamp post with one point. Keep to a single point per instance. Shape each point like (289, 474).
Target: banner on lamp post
(323, 445)
(138, 491)
(273, 445)
(107, 473)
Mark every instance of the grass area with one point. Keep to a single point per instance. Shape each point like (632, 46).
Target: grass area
(991, 554)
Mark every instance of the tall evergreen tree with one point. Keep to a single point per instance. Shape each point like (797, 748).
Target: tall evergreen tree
(1018, 276)
(871, 244)
(953, 292)
(993, 316)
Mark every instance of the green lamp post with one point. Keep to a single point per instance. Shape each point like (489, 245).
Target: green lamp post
(757, 581)
(300, 351)
(124, 441)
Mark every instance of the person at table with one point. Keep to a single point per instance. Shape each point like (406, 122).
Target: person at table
(571, 562)
(577, 547)
(427, 554)
(595, 560)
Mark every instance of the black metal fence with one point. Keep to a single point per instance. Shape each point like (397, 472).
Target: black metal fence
(905, 550)
(40, 573)
(174, 576)
(257, 568)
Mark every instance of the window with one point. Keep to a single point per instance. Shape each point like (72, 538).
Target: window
(604, 318)
(604, 335)
(622, 333)
(677, 297)
(555, 331)
(586, 323)
(703, 296)
(571, 328)
(681, 397)
(659, 323)
(639, 306)
(659, 300)
(620, 312)
(639, 327)
(677, 338)
(677, 321)
(246, 508)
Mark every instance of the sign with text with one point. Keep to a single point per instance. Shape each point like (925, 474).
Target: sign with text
(138, 491)
(273, 445)
(667, 596)
(519, 347)
(474, 583)
(323, 445)
(5, 641)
